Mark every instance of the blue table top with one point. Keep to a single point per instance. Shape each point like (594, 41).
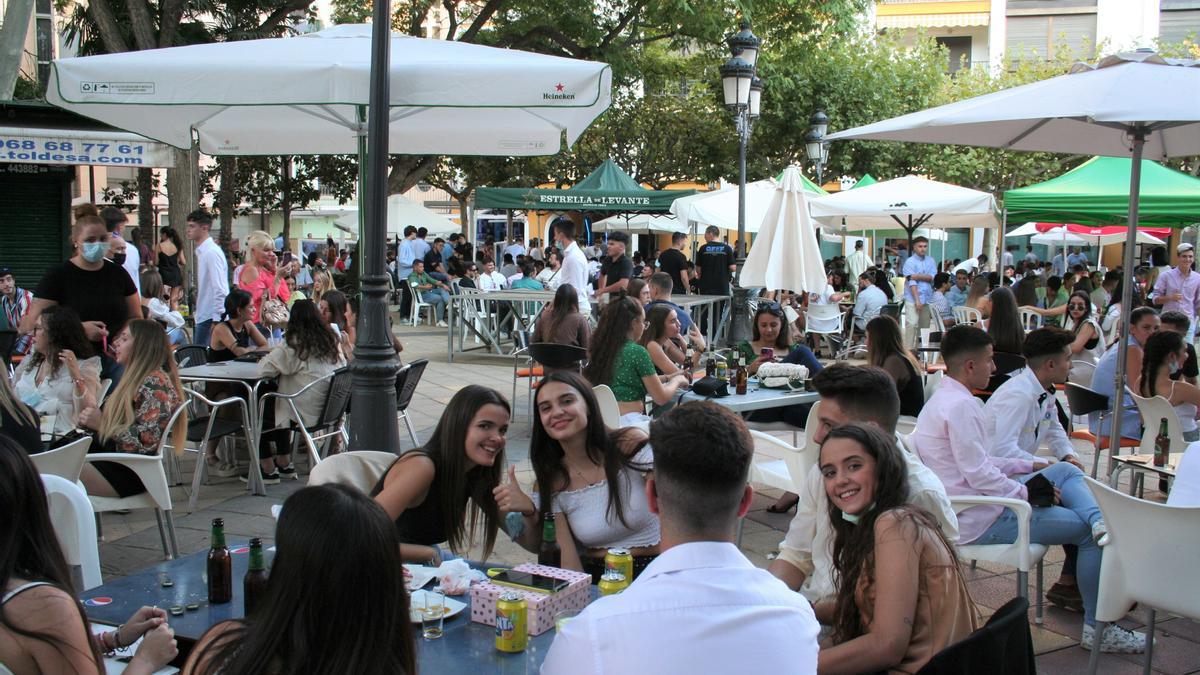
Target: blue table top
(464, 645)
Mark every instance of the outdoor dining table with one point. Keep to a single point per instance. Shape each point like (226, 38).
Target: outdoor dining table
(246, 375)
(757, 398)
(1141, 465)
(465, 646)
(526, 306)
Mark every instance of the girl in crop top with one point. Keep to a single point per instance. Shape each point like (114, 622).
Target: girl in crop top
(590, 480)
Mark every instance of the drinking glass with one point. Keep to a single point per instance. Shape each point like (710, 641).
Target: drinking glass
(432, 614)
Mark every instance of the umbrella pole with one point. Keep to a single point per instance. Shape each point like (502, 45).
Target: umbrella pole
(373, 395)
(1138, 134)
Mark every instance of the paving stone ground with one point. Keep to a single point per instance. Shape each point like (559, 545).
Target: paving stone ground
(131, 542)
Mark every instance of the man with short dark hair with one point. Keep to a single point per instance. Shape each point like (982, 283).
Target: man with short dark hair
(939, 302)
(849, 394)
(919, 269)
(957, 295)
(433, 292)
(715, 264)
(616, 269)
(435, 253)
(858, 262)
(574, 264)
(509, 268)
(14, 304)
(212, 276)
(1030, 256)
(1173, 321)
(115, 221)
(673, 263)
(869, 302)
(660, 294)
(701, 604)
(1178, 288)
(419, 245)
(952, 438)
(526, 280)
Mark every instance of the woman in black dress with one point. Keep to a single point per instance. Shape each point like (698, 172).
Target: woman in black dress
(170, 261)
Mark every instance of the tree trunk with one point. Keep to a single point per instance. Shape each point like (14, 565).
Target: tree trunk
(405, 171)
(13, 32)
(183, 194)
(226, 199)
(145, 207)
(464, 217)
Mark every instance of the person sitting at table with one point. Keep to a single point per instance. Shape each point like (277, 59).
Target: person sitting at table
(701, 606)
(332, 307)
(352, 307)
(236, 335)
(885, 349)
(61, 369)
(17, 420)
(433, 292)
(163, 306)
(901, 596)
(1143, 322)
(978, 298)
(639, 289)
(1088, 344)
(260, 276)
(589, 479)
(359, 623)
(952, 438)
(322, 283)
(616, 359)
(1163, 356)
(561, 323)
(43, 626)
(1189, 370)
(662, 339)
(135, 415)
(869, 302)
(426, 490)
(661, 287)
(309, 353)
(1004, 326)
(939, 302)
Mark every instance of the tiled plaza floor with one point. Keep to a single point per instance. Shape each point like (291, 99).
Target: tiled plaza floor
(131, 542)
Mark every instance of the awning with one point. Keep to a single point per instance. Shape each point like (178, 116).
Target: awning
(29, 145)
(960, 20)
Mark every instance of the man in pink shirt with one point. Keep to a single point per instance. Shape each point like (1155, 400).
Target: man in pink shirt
(952, 439)
(1178, 289)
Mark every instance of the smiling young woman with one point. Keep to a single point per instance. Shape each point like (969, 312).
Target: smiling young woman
(426, 490)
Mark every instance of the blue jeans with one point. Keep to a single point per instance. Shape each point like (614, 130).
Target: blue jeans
(1070, 523)
(203, 333)
(804, 356)
(439, 298)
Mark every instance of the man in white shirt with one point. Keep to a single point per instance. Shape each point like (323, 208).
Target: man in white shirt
(870, 300)
(212, 276)
(490, 279)
(858, 262)
(701, 606)
(972, 266)
(115, 221)
(848, 394)
(574, 268)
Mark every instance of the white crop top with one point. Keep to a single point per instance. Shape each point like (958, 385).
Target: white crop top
(587, 510)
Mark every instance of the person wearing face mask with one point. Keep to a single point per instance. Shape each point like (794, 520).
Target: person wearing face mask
(115, 221)
(102, 294)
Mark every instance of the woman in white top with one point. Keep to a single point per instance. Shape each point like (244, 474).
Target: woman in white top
(309, 352)
(55, 377)
(162, 306)
(593, 481)
(1163, 355)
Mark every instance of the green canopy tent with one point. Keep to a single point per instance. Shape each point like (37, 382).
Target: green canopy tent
(1097, 193)
(607, 188)
(866, 180)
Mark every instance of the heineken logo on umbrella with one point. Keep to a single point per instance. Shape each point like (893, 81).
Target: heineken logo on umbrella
(558, 94)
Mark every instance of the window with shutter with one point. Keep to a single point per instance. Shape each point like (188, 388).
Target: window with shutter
(1177, 25)
(1027, 36)
(35, 201)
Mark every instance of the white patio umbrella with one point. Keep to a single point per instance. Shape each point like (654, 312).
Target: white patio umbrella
(1127, 105)
(1026, 230)
(641, 223)
(1060, 236)
(402, 213)
(908, 202)
(308, 94)
(785, 254)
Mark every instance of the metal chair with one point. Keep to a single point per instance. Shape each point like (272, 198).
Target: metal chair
(406, 385)
(205, 426)
(1084, 401)
(191, 355)
(333, 412)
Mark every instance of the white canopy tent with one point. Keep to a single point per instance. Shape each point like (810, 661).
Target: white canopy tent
(908, 202)
(720, 207)
(641, 223)
(1060, 236)
(402, 213)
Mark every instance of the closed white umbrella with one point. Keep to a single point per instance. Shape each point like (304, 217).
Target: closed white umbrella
(785, 254)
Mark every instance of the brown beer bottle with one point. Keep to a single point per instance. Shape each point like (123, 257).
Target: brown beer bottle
(742, 376)
(220, 566)
(1162, 445)
(549, 553)
(254, 584)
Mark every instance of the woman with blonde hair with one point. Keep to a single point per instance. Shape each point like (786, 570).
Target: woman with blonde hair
(977, 296)
(322, 284)
(260, 277)
(135, 415)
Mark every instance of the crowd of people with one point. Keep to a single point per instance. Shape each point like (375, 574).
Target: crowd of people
(871, 552)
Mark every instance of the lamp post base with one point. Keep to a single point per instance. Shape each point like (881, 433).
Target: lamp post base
(739, 317)
(372, 423)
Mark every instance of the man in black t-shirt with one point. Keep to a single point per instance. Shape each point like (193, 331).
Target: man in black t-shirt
(715, 264)
(615, 268)
(1178, 322)
(673, 263)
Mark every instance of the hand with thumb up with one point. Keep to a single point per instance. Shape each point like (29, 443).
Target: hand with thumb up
(509, 496)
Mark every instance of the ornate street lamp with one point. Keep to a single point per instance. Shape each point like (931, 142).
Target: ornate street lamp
(814, 143)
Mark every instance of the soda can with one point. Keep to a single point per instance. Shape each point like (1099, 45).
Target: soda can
(612, 583)
(512, 628)
(619, 560)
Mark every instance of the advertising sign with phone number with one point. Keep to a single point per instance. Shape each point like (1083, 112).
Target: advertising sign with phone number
(69, 146)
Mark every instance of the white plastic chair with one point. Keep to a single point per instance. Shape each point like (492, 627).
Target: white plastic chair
(965, 314)
(1148, 565)
(1022, 553)
(417, 304)
(609, 410)
(1030, 320)
(66, 462)
(1153, 410)
(361, 469)
(150, 470)
(105, 386)
(74, 523)
(781, 465)
(835, 335)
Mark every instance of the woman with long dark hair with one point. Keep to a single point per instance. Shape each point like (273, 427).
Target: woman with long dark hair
(561, 322)
(769, 330)
(357, 622)
(589, 479)
(236, 334)
(1004, 325)
(43, 628)
(1164, 355)
(662, 339)
(170, 258)
(618, 361)
(426, 491)
(977, 296)
(1089, 337)
(885, 348)
(901, 597)
(61, 369)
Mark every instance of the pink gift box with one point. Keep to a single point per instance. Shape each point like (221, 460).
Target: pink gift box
(543, 607)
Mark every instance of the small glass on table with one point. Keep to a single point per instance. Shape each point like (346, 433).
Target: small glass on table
(433, 612)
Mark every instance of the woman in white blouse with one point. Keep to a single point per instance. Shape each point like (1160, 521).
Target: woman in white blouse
(54, 378)
(595, 479)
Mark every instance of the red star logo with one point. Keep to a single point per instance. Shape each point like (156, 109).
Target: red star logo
(558, 87)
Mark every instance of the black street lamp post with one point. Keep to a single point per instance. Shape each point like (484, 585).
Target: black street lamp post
(815, 145)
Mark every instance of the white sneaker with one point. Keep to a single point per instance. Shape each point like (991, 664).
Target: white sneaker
(1115, 640)
(222, 470)
(1100, 532)
(441, 324)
